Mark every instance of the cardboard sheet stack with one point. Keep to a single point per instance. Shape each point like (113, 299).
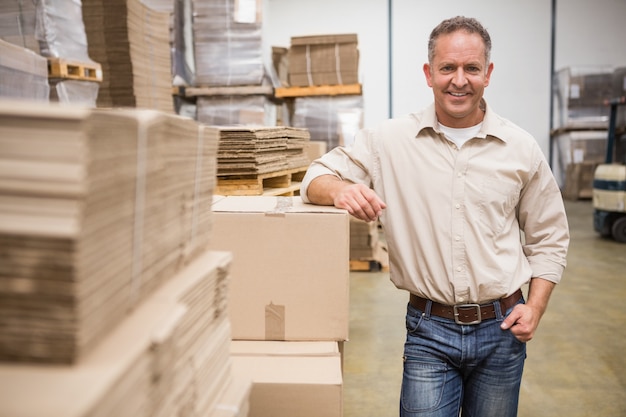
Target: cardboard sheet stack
(111, 302)
(249, 150)
(51, 29)
(98, 208)
(363, 239)
(132, 43)
(228, 52)
(323, 60)
(227, 42)
(170, 356)
(366, 244)
(23, 73)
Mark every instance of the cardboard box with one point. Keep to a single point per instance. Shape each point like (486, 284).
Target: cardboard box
(290, 272)
(289, 379)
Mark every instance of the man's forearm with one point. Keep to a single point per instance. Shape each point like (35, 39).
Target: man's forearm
(323, 189)
(539, 293)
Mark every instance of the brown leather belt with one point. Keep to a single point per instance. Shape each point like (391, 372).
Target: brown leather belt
(466, 313)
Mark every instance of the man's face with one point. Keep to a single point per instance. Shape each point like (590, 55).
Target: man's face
(458, 76)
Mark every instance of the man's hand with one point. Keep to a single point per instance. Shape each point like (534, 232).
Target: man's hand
(522, 322)
(360, 201)
(524, 318)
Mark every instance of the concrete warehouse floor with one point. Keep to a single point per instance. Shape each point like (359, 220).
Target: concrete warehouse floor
(576, 364)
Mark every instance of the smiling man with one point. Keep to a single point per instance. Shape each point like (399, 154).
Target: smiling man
(471, 214)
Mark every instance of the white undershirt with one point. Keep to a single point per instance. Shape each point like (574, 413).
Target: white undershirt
(462, 135)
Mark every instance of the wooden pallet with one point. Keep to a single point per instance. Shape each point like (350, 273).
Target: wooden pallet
(359, 265)
(319, 90)
(59, 68)
(279, 183)
(243, 90)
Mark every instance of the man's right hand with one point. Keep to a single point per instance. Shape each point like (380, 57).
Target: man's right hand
(359, 200)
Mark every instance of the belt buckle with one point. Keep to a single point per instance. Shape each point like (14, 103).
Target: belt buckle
(456, 313)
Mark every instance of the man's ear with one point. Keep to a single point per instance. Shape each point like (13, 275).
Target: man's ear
(427, 73)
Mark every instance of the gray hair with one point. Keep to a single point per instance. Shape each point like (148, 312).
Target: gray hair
(468, 24)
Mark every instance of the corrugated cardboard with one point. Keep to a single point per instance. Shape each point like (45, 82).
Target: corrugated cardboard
(323, 60)
(304, 380)
(290, 273)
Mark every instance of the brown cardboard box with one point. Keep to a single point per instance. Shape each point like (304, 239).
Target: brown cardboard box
(290, 273)
(289, 379)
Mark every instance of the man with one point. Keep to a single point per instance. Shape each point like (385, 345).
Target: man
(471, 213)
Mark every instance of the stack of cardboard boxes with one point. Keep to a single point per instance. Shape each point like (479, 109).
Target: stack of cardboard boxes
(289, 301)
(331, 61)
(581, 120)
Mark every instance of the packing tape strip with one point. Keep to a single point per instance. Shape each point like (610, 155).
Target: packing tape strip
(274, 322)
(196, 184)
(308, 65)
(140, 200)
(338, 65)
(283, 205)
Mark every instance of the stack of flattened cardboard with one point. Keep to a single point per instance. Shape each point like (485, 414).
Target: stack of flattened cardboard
(227, 42)
(363, 238)
(132, 43)
(249, 150)
(23, 73)
(97, 209)
(170, 356)
(323, 60)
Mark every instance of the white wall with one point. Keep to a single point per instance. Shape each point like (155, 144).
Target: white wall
(367, 18)
(587, 33)
(520, 34)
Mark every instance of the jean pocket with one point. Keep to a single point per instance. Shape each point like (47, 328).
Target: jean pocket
(413, 320)
(423, 385)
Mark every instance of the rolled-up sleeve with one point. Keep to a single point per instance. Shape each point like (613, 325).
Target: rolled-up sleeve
(544, 223)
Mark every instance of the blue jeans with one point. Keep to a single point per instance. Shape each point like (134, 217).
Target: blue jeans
(450, 367)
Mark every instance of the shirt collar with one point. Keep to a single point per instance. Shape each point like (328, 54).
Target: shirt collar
(493, 125)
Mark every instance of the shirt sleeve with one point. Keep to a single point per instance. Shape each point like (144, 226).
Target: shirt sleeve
(346, 163)
(543, 221)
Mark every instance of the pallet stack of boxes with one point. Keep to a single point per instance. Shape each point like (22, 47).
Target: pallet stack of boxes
(326, 60)
(111, 301)
(54, 31)
(130, 287)
(223, 62)
(581, 120)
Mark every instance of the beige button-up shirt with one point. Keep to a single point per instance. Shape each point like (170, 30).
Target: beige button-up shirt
(465, 225)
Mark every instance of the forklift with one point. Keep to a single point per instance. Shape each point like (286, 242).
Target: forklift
(609, 182)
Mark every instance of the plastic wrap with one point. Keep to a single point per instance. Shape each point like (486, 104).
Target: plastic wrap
(236, 110)
(61, 31)
(580, 93)
(183, 60)
(330, 119)
(227, 42)
(23, 73)
(18, 23)
(75, 92)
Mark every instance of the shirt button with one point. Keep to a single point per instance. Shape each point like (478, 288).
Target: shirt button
(457, 238)
(457, 205)
(461, 299)
(458, 174)
(459, 269)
